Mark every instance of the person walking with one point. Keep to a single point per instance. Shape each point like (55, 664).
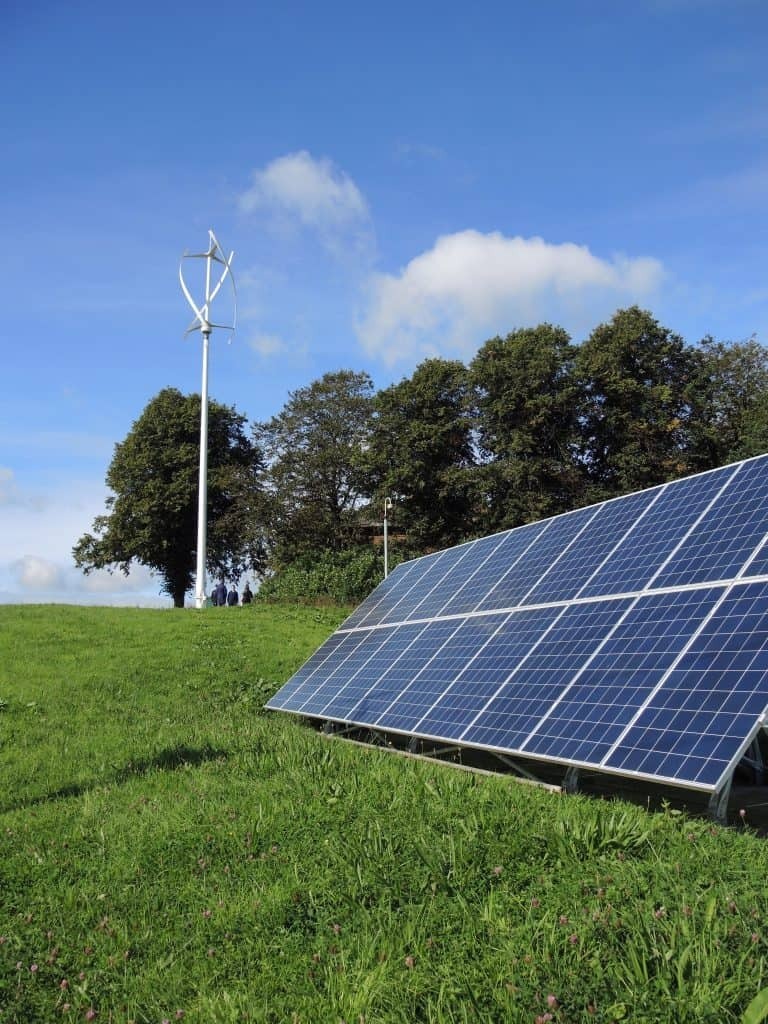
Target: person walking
(221, 594)
(232, 598)
(247, 595)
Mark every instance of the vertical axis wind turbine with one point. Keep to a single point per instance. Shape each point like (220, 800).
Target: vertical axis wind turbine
(202, 322)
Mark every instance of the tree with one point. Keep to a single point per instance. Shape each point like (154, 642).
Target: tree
(420, 454)
(729, 399)
(313, 449)
(526, 415)
(154, 477)
(635, 377)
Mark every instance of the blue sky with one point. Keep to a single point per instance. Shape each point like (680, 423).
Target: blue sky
(396, 180)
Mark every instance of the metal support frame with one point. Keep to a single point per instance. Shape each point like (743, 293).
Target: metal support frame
(753, 758)
(439, 751)
(571, 780)
(517, 768)
(717, 807)
(338, 729)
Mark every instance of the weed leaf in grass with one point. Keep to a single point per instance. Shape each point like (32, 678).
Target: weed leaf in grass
(757, 1010)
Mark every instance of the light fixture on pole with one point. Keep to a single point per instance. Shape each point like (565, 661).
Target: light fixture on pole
(202, 322)
(387, 507)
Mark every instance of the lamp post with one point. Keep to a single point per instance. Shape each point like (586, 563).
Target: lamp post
(202, 321)
(387, 507)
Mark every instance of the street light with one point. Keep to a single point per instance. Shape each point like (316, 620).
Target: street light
(214, 254)
(387, 507)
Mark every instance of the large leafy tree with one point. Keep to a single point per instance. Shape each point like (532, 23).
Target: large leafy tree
(420, 454)
(313, 449)
(527, 403)
(154, 477)
(729, 399)
(636, 377)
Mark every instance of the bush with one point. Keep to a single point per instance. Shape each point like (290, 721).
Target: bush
(344, 577)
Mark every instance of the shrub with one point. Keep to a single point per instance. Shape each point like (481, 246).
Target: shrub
(344, 577)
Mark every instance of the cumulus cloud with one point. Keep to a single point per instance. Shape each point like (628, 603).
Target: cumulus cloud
(471, 286)
(315, 192)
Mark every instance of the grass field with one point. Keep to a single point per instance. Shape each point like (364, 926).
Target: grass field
(169, 851)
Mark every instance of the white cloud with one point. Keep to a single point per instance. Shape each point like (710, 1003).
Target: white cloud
(471, 286)
(317, 193)
(37, 533)
(267, 344)
(33, 573)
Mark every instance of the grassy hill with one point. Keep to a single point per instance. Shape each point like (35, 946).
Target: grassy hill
(169, 851)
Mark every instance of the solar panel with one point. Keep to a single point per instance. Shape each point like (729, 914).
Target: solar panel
(629, 637)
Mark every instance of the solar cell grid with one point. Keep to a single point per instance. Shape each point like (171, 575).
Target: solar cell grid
(325, 659)
(714, 668)
(643, 552)
(362, 646)
(631, 636)
(384, 596)
(723, 541)
(514, 547)
(437, 569)
(542, 676)
(620, 676)
(400, 673)
(397, 641)
(440, 595)
(429, 683)
(580, 562)
(539, 557)
(484, 675)
(425, 572)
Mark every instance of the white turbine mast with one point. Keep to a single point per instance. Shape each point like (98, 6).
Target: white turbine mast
(203, 323)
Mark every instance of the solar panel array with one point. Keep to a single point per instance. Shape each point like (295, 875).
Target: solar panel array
(629, 637)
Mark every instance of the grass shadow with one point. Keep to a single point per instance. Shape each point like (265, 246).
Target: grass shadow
(170, 759)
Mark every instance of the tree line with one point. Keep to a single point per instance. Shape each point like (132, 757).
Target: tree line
(532, 426)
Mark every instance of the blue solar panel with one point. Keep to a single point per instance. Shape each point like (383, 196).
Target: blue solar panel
(371, 676)
(366, 646)
(325, 664)
(429, 682)
(620, 676)
(442, 593)
(723, 541)
(644, 551)
(631, 637)
(508, 643)
(550, 545)
(513, 547)
(542, 677)
(399, 674)
(569, 574)
(705, 711)
(385, 596)
(434, 569)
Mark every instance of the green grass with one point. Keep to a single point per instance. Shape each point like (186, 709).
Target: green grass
(167, 846)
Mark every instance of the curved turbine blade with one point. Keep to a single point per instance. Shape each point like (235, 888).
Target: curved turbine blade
(198, 312)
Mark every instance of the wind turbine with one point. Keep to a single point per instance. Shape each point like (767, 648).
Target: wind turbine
(203, 323)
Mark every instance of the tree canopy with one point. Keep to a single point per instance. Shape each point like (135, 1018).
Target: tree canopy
(420, 452)
(527, 404)
(534, 425)
(313, 453)
(154, 477)
(635, 377)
